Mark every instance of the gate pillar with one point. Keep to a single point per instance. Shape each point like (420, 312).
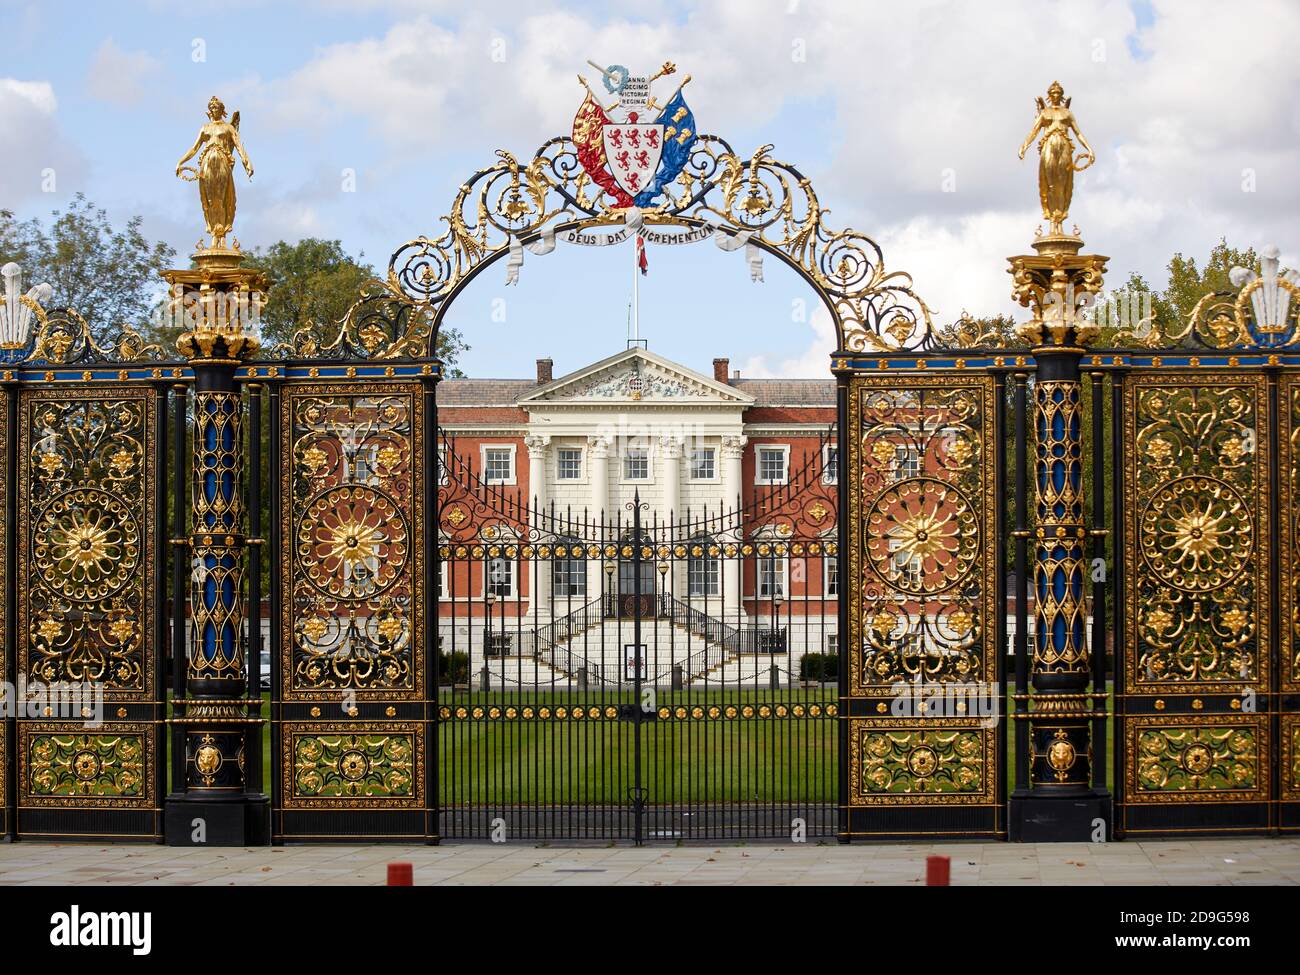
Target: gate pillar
(218, 301)
(1057, 284)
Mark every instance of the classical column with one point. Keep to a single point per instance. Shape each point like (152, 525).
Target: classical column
(1057, 284)
(733, 450)
(598, 476)
(218, 302)
(538, 449)
(598, 582)
(670, 449)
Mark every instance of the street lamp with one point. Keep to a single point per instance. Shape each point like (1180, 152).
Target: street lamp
(16, 310)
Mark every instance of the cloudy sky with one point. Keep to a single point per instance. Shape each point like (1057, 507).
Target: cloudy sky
(906, 116)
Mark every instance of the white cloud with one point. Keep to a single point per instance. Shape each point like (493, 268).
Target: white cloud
(36, 156)
(120, 77)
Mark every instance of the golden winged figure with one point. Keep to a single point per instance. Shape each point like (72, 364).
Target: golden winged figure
(1056, 160)
(216, 145)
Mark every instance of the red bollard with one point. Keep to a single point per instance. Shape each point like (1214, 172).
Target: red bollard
(936, 871)
(399, 875)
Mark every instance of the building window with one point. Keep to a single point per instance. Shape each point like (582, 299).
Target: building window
(831, 576)
(500, 644)
(568, 464)
(830, 464)
(702, 571)
(569, 575)
(771, 577)
(772, 465)
(500, 577)
(636, 464)
(443, 587)
(832, 645)
(704, 464)
(499, 465)
(907, 461)
(907, 567)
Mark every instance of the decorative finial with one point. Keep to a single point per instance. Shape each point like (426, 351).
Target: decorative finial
(216, 145)
(16, 308)
(1057, 162)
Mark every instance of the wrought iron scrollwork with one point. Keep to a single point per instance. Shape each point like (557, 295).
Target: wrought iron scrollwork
(769, 200)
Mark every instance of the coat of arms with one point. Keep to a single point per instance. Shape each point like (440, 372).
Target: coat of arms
(633, 147)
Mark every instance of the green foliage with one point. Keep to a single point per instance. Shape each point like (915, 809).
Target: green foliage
(453, 667)
(110, 276)
(819, 667)
(315, 282)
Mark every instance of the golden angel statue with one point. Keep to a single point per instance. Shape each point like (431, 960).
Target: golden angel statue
(217, 143)
(1057, 163)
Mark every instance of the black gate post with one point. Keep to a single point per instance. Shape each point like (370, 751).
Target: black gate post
(1057, 283)
(432, 596)
(218, 301)
(9, 656)
(638, 792)
(843, 424)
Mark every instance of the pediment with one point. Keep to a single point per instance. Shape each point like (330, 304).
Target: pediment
(636, 376)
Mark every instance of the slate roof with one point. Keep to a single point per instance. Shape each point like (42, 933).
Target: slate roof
(788, 392)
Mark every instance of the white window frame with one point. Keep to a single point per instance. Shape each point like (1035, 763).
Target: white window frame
(910, 570)
(711, 568)
(483, 460)
(582, 465)
(713, 462)
(784, 449)
(780, 574)
(827, 451)
(907, 461)
(566, 566)
(830, 564)
(649, 465)
(512, 588)
(444, 580)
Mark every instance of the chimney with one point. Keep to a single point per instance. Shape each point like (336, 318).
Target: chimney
(720, 367)
(545, 371)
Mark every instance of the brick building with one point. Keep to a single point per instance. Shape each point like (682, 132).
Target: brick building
(714, 459)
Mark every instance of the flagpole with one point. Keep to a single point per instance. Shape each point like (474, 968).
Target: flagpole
(636, 291)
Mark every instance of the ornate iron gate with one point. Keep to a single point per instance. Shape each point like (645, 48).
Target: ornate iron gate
(926, 611)
(572, 708)
(82, 461)
(351, 706)
(1206, 706)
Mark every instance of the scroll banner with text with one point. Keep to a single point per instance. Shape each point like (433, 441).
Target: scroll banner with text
(726, 241)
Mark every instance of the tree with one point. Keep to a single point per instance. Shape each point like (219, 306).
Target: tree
(315, 282)
(111, 277)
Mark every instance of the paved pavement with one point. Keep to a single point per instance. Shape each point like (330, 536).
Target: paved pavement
(1199, 862)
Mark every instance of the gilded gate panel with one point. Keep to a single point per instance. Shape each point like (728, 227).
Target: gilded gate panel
(86, 557)
(1196, 492)
(1198, 555)
(922, 609)
(353, 628)
(1189, 758)
(354, 548)
(1289, 532)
